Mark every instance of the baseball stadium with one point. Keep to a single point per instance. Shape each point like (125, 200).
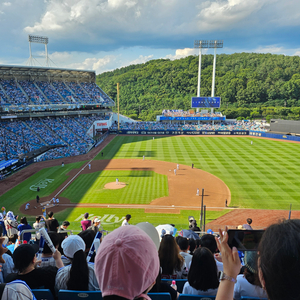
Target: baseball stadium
(61, 140)
(72, 165)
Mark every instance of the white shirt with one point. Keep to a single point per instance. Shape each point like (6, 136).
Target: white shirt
(187, 257)
(187, 289)
(63, 274)
(245, 288)
(124, 223)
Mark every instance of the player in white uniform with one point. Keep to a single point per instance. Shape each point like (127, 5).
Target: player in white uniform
(89, 166)
(175, 171)
(177, 166)
(117, 180)
(27, 206)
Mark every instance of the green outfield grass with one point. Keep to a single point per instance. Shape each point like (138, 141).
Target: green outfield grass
(142, 187)
(263, 175)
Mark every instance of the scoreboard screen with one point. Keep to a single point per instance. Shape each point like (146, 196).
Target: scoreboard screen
(206, 102)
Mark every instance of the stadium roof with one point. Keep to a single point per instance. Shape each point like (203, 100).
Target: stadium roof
(15, 70)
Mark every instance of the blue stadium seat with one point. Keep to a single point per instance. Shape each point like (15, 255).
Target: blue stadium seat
(160, 296)
(179, 282)
(42, 294)
(252, 298)
(195, 297)
(79, 295)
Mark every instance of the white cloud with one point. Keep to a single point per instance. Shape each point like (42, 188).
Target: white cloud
(181, 53)
(97, 64)
(7, 4)
(140, 60)
(224, 14)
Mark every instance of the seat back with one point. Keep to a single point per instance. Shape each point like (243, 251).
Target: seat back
(179, 282)
(79, 295)
(252, 298)
(195, 297)
(160, 296)
(42, 294)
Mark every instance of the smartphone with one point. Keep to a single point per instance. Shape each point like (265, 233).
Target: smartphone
(244, 240)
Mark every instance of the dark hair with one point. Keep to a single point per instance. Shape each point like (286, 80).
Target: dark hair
(249, 221)
(169, 257)
(24, 221)
(23, 256)
(13, 238)
(88, 237)
(38, 218)
(128, 217)
(208, 241)
(86, 215)
(50, 214)
(54, 237)
(203, 274)
(183, 243)
(79, 273)
(251, 277)
(66, 223)
(279, 259)
(192, 244)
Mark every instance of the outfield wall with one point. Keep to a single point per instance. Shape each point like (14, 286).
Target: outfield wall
(275, 136)
(180, 132)
(203, 132)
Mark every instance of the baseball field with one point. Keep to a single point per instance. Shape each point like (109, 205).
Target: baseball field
(264, 176)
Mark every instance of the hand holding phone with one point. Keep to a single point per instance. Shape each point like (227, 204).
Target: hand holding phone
(244, 240)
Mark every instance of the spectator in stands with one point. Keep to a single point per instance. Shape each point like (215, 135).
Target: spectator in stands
(192, 244)
(203, 274)
(11, 244)
(25, 263)
(47, 255)
(62, 231)
(171, 262)
(79, 275)
(126, 221)
(51, 222)
(184, 247)
(85, 223)
(208, 241)
(136, 264)
(2, 225)
(24, 226)
(39, 223)
(278, 262)
(248, 225)
(11, 224)
(248, 283)
(95, 226)
(88, 238)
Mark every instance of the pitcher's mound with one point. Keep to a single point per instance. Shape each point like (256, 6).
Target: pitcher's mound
(114, 186)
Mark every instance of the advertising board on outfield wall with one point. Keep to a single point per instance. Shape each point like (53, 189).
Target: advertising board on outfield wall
(181, 132)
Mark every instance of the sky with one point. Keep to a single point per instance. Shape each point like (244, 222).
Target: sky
(104, 35)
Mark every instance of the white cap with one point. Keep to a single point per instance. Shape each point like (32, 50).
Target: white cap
(72, 244)
(96, 220)
(151, 231)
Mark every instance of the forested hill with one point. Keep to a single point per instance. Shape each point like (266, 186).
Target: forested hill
(249, 84)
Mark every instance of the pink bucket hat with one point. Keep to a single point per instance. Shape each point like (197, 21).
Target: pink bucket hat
(126, 263)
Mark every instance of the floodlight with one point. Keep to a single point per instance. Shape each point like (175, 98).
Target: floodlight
(38, 39)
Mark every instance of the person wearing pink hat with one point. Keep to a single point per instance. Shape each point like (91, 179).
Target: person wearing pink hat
(126, 264)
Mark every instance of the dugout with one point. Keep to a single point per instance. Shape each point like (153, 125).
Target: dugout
(285, 126)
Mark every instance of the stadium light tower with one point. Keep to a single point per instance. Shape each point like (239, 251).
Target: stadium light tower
(40, 40)
(214, 44)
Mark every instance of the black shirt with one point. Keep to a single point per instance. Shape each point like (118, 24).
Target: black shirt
(37, 278)
(52, 225)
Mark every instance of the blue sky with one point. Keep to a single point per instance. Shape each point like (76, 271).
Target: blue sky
(103, 35)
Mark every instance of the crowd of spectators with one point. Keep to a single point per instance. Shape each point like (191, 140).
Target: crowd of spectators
(217, 126)
(19, 137)
(188, 114)
(26, 92)
(142, 256)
